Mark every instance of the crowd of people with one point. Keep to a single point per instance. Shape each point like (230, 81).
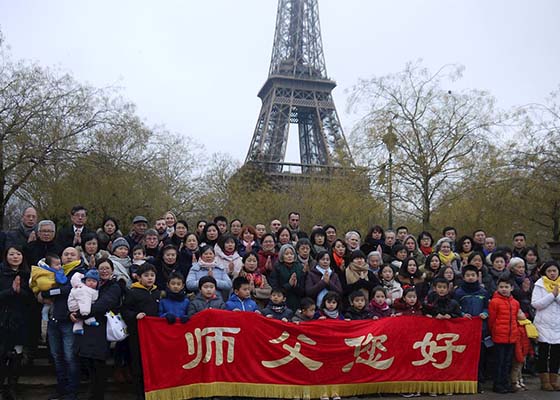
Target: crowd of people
(58, 286)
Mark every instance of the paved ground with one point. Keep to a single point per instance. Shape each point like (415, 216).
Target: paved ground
(36, 389)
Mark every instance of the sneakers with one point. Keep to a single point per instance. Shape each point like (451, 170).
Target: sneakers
(408, 395)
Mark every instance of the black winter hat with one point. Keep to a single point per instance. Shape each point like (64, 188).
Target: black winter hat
(206, 279)
(468, 268)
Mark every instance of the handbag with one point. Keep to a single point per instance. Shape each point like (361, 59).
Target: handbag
(116, 327)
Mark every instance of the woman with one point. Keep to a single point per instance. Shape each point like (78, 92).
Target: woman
(267, 255)
(352, 239)
(425, 242)
(207, 266)
(477, 259)
(338, 257)
(375, 261)
(92, 347)
(288, 275)
(284, 237)
(248, 242)
(320, 279)
(546, 300)
(227, 256)
(179, 235)
(412, 248)
(303, 250)
(15, 301)
(410, 275)
(330, 232)
(210, 235)
(465, 248)
(235, 227)
(90, 250)
(170, 221)
(447, 256)
(357, 276)
(318, 240)
(108, 232)
(374, 240)
(190, 252)
(200, 228)
(431, 268)
(167, 264)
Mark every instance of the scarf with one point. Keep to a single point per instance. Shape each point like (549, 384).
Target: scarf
(166, 270)
(137, 237)
(382, 307)
(338, 260)
(446, 260)
(278, 308)
(317, 248)
(465, 256)
(470, 287)
(426, 250)
(330, 314)
(323, 292)
(353, 272)
(59, 274)
(255, 277)
(549, 284)
(175, 296)
(206, 265)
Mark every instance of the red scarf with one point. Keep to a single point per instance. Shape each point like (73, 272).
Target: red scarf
(338, 260)
(426, 250)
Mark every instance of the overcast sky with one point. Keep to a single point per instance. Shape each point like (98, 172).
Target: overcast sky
(196, 66)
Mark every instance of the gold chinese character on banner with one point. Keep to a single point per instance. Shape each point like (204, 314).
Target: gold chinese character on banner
(209, 336)
(429, 348)
(370, 345)
(294, 352)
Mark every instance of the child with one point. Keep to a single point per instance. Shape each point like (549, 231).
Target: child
(378, 307)
(138, 259)
(439, 303)
(307, 311)
(277, 308)
(175, 304)
(330, 307)
(473, 300)
(207, 297)
(121, 261)
(408, 304)
(240, 299)
(392, 288)
(260, 289)
(502, 321)
(410, 275)
(140, 301)
(45, 276)
(357, 309)
(82, 295)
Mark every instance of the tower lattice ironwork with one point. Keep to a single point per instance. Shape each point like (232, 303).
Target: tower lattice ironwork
(298, 91)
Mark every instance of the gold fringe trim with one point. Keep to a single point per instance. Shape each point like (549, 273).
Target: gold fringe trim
(234, 389)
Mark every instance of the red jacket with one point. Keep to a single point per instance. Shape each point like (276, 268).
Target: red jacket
(502, 318)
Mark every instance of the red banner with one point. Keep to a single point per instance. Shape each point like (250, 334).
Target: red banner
(224, 353)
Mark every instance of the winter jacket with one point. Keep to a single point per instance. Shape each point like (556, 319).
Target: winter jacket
(502, 318)
(105, 239)
(436, 304)
(223, 260)
(314, 283)
(93, 343)
(401, 307)
(38, 249)
(279, 279)
(417, 283)
(236, 303)
(121, 269)
(262, 257)
(199, 304)
(472, 298)
(365, 285)
(547, 319)
(59, 294)
(278, 311)
(355, 314)
(379, 310)
(81, 297)
(176, 304)
(140, 299)
(220, 274)
(242, 247)
(14, 307)
(19, 236)
(299, 317)
(163, 271)
(393, 289)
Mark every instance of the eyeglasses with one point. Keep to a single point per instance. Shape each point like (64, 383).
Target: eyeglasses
(42, 231)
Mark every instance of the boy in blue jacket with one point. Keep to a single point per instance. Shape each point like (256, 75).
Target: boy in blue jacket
(175, 304)
(473, 299)
(240, 299)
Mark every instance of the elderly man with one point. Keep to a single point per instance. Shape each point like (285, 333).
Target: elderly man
(136, 235)
(59, 330)
(26, 231)
(72, 235)
(43, 244)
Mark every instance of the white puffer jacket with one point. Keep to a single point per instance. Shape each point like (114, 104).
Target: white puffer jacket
(547, 319)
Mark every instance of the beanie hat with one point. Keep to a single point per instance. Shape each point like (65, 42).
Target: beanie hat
(206, 279)
(91, 274)
(357, 254)
(468, 268)
(118, 242)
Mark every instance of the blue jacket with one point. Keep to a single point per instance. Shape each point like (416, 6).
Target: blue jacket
(235, 302)
(473, 300)
(174, 303)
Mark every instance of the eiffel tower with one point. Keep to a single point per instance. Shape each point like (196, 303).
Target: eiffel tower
(298, 91)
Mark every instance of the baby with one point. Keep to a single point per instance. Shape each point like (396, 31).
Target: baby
(83, 294)
(46, 276)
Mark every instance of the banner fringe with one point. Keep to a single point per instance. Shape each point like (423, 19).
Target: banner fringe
(231, 389)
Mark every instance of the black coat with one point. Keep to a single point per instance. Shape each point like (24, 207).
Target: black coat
(13, 308)
(93, 343)
(37, 250)
(139, 300)
(65, 236)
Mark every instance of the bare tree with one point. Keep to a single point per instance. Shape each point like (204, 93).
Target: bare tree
(438, 134)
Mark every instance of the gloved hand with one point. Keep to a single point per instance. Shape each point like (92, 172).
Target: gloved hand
(184, 319)
(170, 318)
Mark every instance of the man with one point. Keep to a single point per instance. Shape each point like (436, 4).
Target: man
(275, 225)
(26, 231)
(161, 227)
(293, 221)
(390, 241)
(136, 235)
(72, 236)
(451, 233)
(222, 224)
(519, 244)
(402, 231)
(45, 243)
(59, 330)
(261, 230)
(152, 243)
(479, 236)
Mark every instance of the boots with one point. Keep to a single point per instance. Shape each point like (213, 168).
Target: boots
(14, 368)
(545, 382)
(516, 376)
(554, 382)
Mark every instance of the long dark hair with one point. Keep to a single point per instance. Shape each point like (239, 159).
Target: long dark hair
(23, 267)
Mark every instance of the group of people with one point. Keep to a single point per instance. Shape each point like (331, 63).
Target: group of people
(68, 280)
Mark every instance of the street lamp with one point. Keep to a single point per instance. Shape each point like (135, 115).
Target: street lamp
(390, 141)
